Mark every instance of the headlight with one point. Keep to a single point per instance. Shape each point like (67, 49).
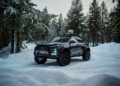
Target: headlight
(40, 52)
(54, 51)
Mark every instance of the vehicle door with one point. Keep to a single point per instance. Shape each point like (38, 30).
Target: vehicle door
(80, 45)
(74, 48)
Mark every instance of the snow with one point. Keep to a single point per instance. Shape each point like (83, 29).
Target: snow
(102, 70)
(10, 10)
(5, 51)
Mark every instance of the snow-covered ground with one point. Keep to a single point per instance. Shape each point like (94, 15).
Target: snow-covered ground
(102, 70)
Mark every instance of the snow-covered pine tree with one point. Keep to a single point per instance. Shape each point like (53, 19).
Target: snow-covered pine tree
(75, 17)
(52, 29)
(104, 31)
(60, 24)
(13, 20)
(45, 17)
(94, 22)
(85, 32)
(9, 12)
(4, 39)
(117, 23)
(25, 7)
(112, 23)
(22, 21)
(63, 31)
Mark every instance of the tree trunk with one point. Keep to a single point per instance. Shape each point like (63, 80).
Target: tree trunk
(18, 42)
(12, 40)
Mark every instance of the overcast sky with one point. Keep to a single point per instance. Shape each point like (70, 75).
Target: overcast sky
(62, 6)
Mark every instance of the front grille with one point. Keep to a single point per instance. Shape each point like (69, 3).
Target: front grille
(47, 48)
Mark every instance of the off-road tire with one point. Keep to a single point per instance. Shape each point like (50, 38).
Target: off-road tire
(40, 60)
(86, 55)
(64, 58)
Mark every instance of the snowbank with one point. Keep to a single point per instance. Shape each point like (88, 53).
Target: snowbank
(5, 51)
(30, 77)
(102, 70)
(50, 78)
(102, 80)
(99, 80)
(108, 47)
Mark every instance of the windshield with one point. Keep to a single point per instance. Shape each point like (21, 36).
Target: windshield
(61, 39)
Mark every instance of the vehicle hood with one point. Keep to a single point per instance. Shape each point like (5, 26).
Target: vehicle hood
(56, 44)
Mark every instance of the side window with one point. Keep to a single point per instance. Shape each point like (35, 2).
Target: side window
(72, 41)
(79, 40)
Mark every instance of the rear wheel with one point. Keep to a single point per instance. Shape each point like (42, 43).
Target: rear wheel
(64, 58)
(40, 60)
(86, 55)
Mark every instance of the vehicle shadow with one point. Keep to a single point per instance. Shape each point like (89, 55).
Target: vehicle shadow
(53, 63)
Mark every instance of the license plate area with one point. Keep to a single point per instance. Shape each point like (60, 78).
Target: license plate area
(43, 52)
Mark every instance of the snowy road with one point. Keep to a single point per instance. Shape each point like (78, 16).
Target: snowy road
(21, 70)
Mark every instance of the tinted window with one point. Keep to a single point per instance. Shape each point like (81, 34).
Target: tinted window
(79, 40)
(72, 42)
(61, 39)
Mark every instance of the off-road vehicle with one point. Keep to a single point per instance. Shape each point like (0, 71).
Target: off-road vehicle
(62, 49)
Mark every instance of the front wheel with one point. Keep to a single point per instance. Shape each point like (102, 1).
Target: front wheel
(40, 60)
(64, 58)
(86, 55)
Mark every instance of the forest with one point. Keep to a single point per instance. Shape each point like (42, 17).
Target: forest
(21, 21)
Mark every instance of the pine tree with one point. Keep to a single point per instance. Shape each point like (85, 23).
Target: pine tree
(75, 16)
(117, 23)
(8, 12)
(85, 32)
(41, 25)
(45, 17)
(24, 7)
(112, 23)
(63, 31)
(60, 24)
(104, 23)
(4, 39)
(52, 29)
(13, 13)
(20, 21)
(94, 22)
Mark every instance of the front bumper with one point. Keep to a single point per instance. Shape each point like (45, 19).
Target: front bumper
(45, 55)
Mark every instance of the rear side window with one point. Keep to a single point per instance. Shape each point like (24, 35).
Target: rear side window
(61, 39)
(79, 40)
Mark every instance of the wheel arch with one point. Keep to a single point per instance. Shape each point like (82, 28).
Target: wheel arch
(88, 49)
(64, 50)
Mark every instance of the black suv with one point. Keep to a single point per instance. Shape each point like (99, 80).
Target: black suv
(61, 49)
